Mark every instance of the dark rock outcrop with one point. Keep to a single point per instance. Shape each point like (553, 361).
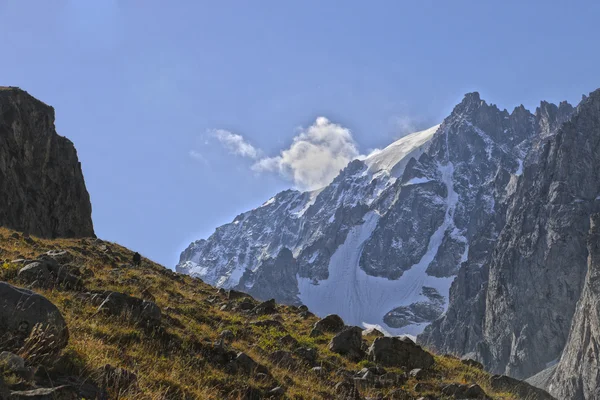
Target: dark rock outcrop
(24, 313)
(501, 383)
(42, 186)
(399, 352)
(576, 376)
(331, 323)
(348, 342)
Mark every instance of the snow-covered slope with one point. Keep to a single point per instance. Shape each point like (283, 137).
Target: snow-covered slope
(394, 157)
(382, 243)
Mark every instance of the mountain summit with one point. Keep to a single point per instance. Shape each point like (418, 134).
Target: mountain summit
(381, 245)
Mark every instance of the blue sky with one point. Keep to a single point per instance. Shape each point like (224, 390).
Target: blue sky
(174, 109)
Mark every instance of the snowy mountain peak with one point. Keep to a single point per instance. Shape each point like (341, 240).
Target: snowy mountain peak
(390, 158)
(381, 244)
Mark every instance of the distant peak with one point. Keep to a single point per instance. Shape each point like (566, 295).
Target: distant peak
(472, 96)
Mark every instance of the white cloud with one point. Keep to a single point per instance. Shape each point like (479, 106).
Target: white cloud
(235, 143)
(315, 157)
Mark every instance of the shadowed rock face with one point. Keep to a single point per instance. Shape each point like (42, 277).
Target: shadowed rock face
(576, 375)
(515, 312)
(42, 186)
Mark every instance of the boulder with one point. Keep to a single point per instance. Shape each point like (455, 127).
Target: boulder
(331, 323)
(20, 312)
(307, 354)
(47, 273)
(399, 352)
(12, 361)
(502, 383)
(266, 307)
(460, 391)
(372, 332)
(283, 359)
(135, 309)
(244, 364)
(348, 342)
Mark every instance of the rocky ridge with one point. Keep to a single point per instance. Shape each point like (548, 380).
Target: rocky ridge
(400, 221)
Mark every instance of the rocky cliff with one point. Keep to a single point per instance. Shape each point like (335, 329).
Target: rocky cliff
(42, 186)
(517, 321)
(576, 376)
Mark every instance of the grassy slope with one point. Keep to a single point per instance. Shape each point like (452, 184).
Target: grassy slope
(174, 369)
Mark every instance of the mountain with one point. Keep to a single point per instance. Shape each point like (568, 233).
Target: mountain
(82, 318)
(43, 190)
(383, 242)
(518, 320)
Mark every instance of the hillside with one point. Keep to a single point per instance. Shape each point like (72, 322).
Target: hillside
(184, 341)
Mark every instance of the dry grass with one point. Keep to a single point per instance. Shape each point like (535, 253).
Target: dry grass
(169, 365)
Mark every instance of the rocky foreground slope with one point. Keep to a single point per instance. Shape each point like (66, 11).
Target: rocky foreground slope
(79, 320)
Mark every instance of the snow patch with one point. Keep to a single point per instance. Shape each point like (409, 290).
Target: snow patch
(416, 181)
(361, 299)
(398, 151)
(519, 171)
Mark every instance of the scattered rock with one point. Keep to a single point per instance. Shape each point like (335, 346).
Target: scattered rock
(348, 342)
(244, 364)
(60, 256)
(234, 294)
(331, 323)
(20, 312)
(283, 359)
(372, 332)
(266, 307)
(399, 352)
(502, 383)
(246, 304)
(48, 273)
(459, 391)
(307, 354)
(135, 309)
(12, 361)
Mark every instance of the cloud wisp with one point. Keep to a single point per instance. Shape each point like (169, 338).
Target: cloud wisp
(314, 158)
(235, 143)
